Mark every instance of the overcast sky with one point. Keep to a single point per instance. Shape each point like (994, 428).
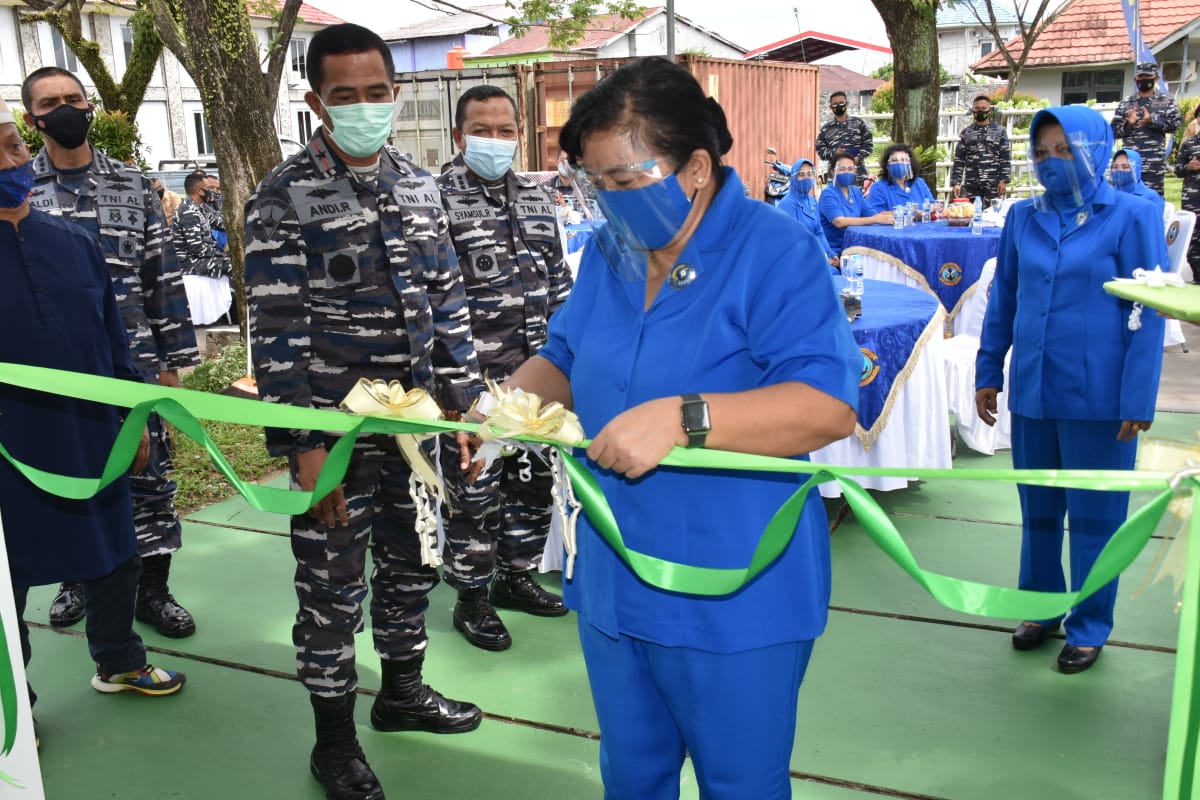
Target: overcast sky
(753, 24)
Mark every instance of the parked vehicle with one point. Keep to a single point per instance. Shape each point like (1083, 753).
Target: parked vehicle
(778, 178)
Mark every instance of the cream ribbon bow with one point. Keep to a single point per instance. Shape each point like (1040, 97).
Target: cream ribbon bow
(513, 412)
(1182, 458)
(382, 399)
(1155, 278)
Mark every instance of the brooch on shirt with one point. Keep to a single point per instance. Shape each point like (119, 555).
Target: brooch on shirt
(1081, 217)
(681, 275)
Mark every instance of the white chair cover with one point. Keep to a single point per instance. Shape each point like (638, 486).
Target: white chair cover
(1179, 226)
(1168, 211)
(208, 298)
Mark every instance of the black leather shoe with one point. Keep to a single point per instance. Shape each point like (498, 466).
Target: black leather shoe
(520, 591)
(168, 617)
(67, 608)
(478, 621)
(407, 703)
(1029, 635)
(344, 775)
(1074, 659)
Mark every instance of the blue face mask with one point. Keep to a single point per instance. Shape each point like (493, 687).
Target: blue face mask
(647, 218)
(489, 158)
(844, 179)
(900, 171)
(15, 185)
(1062, 181)
(1122, 179)
(805, 185)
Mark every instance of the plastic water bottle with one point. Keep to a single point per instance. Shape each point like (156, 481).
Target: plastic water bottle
(852, 268)
(977, 220)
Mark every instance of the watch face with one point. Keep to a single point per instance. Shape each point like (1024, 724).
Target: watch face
(695, 416)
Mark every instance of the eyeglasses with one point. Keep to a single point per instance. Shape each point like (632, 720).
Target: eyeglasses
(622, 176)
(846, 169)
(899, 161)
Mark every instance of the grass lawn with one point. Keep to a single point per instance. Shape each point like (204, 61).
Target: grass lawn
(1172, 190)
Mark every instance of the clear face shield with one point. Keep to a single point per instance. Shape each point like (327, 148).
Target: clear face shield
(1065, 167)
(634, 208)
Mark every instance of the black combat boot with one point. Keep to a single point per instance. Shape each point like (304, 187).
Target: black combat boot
(155, 603)
(67, 608)
(406, 704)
(519, 590)
(478, 621)
(337, 761)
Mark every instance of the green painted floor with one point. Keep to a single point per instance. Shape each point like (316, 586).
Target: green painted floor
(903, 697)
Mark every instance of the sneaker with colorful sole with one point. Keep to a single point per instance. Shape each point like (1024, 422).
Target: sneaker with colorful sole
(148, 680)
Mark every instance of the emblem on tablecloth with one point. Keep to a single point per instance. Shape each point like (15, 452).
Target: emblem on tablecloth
(870, 366)
(950, 274)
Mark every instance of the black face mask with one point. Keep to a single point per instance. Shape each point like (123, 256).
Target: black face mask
(66, 125)
(839, 108)
(981, 116)
(1145, 86)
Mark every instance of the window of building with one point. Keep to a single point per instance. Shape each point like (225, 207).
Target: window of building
(985, 48)
(127, 41)
(304, 126)
(204, 146)
(1101, 85)
(63, 57)
(297, 50)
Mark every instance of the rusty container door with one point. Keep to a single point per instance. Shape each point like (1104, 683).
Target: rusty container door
(766, 103)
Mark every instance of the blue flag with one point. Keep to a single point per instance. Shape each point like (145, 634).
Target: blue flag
(1141, 51)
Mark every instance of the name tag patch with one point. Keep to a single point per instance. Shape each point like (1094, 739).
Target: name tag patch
(417, 192)
(329, 201)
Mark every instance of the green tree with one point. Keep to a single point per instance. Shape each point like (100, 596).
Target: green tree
(1015, 52)
(888, 71)
(912, 31)
(66, 17)
(565, 20)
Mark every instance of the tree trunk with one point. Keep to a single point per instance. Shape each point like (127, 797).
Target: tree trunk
(912, 31)
(214, 42)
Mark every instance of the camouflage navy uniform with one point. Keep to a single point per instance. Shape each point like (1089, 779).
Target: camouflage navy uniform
(852, 135)
(982, 160)
(194, 242)
(350, 279)
(1149, 139)
(118, 206)
(506, 238)
(1190, 200)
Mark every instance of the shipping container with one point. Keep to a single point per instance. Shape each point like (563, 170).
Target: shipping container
(425, 104)
(766, 103)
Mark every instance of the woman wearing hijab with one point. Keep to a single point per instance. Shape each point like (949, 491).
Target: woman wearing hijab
(699, 321)
(1126, 176)
(842, 204)
(900, 184)
(801, 205)
(1085, 365)
(1187, 166)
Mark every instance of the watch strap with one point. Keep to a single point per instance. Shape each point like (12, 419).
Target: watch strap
(695, 419)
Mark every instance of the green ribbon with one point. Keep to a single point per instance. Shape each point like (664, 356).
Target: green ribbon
(182, 408)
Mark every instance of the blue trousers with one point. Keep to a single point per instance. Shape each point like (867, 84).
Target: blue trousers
(1094, 516)
(735, 713)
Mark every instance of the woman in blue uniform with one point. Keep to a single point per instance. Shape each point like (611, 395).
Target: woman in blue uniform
(900, 182)
(1085, 365)
(801, 205)
(1126, 176)
(698, 321)
(842, 204)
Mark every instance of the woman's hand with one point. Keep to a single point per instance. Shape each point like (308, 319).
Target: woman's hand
(637, 440)
(985, 404)
(884, 218)
(1131, 428)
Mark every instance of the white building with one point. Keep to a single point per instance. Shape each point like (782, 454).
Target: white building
(963, 39)
(171, 118)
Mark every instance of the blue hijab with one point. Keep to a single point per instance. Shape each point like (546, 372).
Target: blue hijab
(802, 206)
(1137, 188)
(1072, 184)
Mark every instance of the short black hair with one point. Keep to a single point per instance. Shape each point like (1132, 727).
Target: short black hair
(982, 97)
(892, 149)
(480, 94)
(190, 183)
(840, 94)
(660, 104)
(45, 72)
(344, 39)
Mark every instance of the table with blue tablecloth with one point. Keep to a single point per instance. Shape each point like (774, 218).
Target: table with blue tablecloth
(578, 235)
(902, 409)
(941, 259)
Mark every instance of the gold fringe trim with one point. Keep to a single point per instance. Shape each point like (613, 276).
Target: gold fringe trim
(869, 437)
(888, 258)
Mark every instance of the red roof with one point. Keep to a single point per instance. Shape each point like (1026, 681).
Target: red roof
(810, 46)
(1093, 32)
(600, 31)
(310, 14)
